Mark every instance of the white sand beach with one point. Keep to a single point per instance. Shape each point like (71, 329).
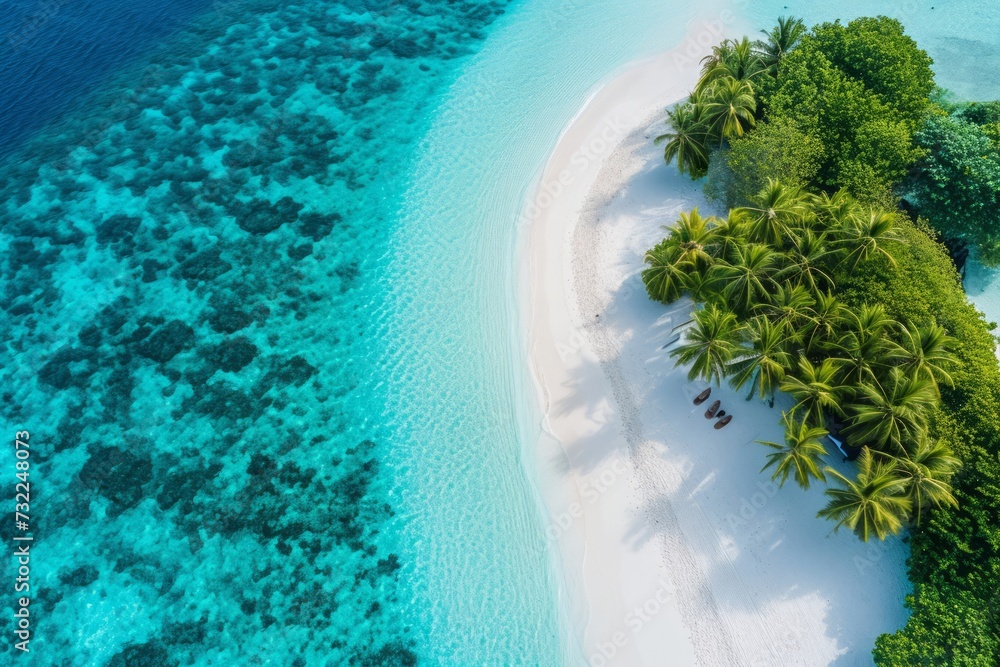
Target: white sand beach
(676, 549)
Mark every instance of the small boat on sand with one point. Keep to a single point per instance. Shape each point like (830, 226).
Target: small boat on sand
(712, 409)
(722, 422)
(703, 396)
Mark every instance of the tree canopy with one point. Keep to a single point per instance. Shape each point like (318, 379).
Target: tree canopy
(818, 287)
(958, 187)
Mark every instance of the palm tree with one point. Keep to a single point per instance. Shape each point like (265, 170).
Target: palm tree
(889, 419)
(665, 277)
(816, 390)
(827, 321)
(780, 40)
(927, 472)
(691, 234)
(808, 261)
(730, 108)
(927, 352)
(731, 59)
(711, 344)
(686, 141)
(836, 210)
(799, 454)
(703, 286)
(775, 212)
(729, 233)
(764, 365)
(748, 276)
(874, 504)
(866, 237)
(865, 349)
(681, 257)
(788, 304)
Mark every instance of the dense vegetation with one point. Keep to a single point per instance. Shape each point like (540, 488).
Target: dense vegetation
(958, 185)
(814, 284)
(771, 320)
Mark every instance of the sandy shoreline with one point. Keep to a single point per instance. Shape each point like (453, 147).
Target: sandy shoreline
(675, 550)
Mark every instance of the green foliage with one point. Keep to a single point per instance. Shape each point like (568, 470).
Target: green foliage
(874, 503)
(780, 41)
(799, 455)
(982, 113)
(876, 52)
(767, 276)
(946, 628)
(955, 552)
(958, 188)
(729, 108)
(885, 340)
(777, 149)
(731, 59)
(711, 344)
(687, 139)
(867, 145)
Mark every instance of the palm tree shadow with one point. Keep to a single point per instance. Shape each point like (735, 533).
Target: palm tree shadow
(742, 554)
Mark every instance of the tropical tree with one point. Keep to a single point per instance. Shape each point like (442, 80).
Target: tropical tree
(808, 265)
(876, 52)
(865, 237)
(776, 148)
(788, 304)
(729, 234)
(775, 212)
(876, 503)
(763, 366)
(687, 139)
(835, 210)
(957, 186)
(823, 328)
(890, 418)
(748, 277)
(711, 343)
(927, 351)
(665, 276)
(817, 390)
(731, 59)
(927, 472)
(692, 234)
(865, 349)
(781, 39)
(799, 455)
(729, 109)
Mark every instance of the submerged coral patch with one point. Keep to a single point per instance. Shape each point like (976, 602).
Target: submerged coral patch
(192, 298)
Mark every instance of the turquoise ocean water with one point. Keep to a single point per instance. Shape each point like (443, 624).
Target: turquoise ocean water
(259, 317)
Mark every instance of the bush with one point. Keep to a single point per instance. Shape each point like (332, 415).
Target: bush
(958, 187)
(775, 150)
(955, 556)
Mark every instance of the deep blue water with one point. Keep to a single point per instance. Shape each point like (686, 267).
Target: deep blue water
(52, 52)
